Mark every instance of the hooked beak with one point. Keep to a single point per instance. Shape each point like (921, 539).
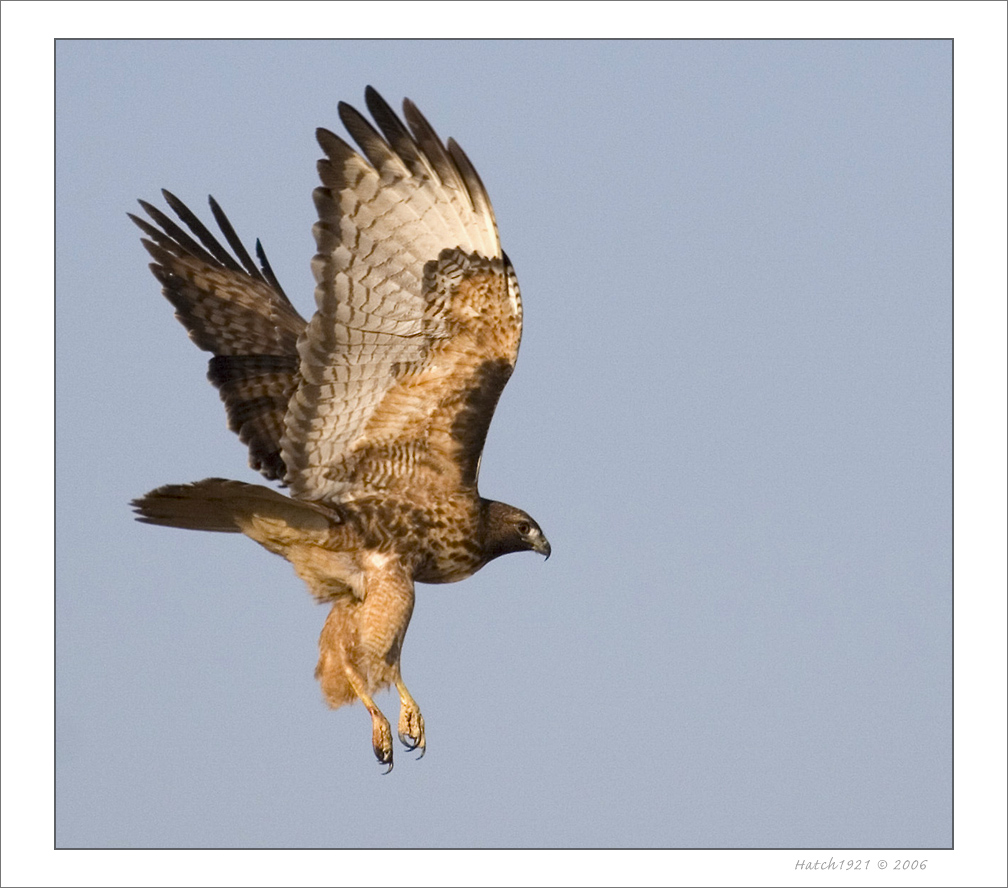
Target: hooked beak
(542, 546)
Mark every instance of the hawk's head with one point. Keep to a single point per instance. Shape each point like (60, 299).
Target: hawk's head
(507, 529)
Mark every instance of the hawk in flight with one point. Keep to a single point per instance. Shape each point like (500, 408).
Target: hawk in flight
(374, 413)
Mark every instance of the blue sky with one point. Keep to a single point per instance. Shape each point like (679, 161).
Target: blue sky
(732, 415)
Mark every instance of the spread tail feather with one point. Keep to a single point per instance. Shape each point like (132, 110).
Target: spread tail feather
(217, 504)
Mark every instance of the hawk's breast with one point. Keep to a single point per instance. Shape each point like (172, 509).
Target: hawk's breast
(439, 541)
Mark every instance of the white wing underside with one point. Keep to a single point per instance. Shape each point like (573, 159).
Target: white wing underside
(379, 224)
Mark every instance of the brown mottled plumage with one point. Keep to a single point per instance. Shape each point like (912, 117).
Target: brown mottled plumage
(373, 413)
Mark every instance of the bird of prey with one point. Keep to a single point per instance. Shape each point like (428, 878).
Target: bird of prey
(373, 414)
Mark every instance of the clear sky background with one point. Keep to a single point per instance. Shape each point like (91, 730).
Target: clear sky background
(732, 415)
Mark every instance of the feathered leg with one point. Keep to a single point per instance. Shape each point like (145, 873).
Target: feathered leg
(339, 671)
(359, 651)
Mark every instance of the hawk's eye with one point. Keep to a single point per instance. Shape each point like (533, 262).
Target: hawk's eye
(524, 528)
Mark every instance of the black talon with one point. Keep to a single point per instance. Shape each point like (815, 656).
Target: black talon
(382, 760)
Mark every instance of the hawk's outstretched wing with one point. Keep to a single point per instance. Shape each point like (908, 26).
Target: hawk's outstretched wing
(237, 311)
(418, 321)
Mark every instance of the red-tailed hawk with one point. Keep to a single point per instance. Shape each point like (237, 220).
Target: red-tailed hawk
(374, 413)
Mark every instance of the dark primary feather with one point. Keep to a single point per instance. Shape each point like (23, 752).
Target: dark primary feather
(374, 147)
(234, 242)
(171, 235)
(399, 138)
(202, 232)
(474, 185)
(430, 144)
(268, 272)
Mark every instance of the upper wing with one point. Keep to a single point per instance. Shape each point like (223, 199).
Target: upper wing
(237, 311)
(418, 321)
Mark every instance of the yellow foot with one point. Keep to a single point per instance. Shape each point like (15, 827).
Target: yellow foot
(411, 728)
(381, 739)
